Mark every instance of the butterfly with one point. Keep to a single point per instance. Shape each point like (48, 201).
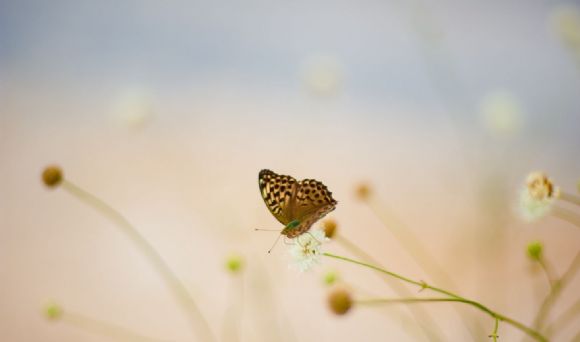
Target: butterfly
(296, 204)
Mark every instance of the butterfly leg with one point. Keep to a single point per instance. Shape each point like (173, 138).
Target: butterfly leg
(314, 238)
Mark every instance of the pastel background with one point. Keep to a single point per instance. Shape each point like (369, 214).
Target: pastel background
(168, 110)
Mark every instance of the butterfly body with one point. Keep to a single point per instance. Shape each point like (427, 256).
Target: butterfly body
(296, 204)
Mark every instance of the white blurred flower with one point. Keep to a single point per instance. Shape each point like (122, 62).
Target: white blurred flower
(322, 75)
(566, 22)
(538, 196)
(502, 112)
(305, 251)
(133, 108)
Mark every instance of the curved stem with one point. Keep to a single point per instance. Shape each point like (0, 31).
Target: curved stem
(104, 328)
(549, 272)
(555, 292)
(418, 251)
(564, 319)
(411, 300)
(531, 332)
(570, 198)
(431, 330)
(566, 215)
(200, 325)
(494, 334)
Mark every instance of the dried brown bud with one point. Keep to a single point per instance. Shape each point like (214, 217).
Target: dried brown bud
(329, 228)
(340, 301)
(52, 176)
(363, 191)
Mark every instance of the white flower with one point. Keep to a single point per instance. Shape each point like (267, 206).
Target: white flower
(322, 75)
(537, 196)
(133, 108)
(501, 112)
(305, 250)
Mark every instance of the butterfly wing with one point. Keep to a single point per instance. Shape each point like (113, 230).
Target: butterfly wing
(311, 203)
(278, 192)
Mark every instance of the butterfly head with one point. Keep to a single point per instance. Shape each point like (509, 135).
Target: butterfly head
(290, 227)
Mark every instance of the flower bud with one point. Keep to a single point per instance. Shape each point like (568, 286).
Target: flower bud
(234, 264)
(329, 228)
(330, 278)
(52, 176)
(340, 301)
(535, 249)
(363, 191)
(53, 312)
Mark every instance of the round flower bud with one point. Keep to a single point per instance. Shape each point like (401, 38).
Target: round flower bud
(329, 228)
(340, 301)
(363, 191)
(330, 278)
(52, 176)
(535, 250)
(53, 312)
(234, 264)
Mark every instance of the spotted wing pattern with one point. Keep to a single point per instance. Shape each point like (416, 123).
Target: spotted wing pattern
(306, 201)
(277, 192)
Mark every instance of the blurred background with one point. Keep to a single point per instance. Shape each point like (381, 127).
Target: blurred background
(167, 110)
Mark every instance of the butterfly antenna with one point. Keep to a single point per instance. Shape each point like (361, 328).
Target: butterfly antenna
(275, 242)
(266, 230)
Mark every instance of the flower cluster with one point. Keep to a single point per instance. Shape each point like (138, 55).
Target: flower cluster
(537, 196)
(305, 250)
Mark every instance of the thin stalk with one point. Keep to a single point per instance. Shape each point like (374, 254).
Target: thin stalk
(104, 328)
(564, 318)
(233, 316)
(531, 332)
(418, 251)
(566, 215)
(549, 272)
(553, 295)
(199, 323)
(429, 327)
(375, 301)
(571, 198)
(494, 334)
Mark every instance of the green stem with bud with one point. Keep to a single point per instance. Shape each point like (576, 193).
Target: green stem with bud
(496, 315)
(199, 323)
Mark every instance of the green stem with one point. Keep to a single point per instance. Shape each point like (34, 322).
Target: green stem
(375, 301)
(553, 295)
(549, 272)
(234, 314)
(418, 251)
(566, 215)
(531, 332)
(199, 324)
(494, 334)
(564, 319)
(425, 321)
(411, 242)
(570, 198)
(104, 328)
